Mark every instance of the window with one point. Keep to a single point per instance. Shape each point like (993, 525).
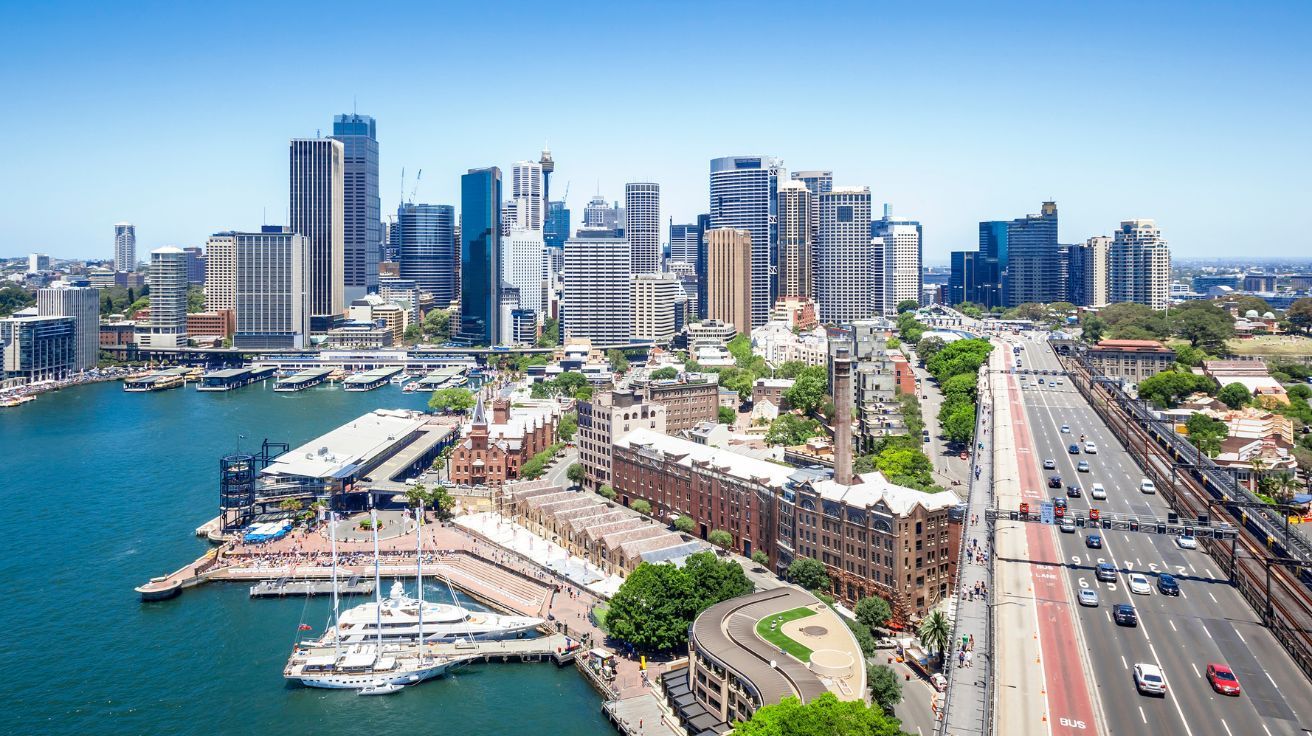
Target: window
(845, 213)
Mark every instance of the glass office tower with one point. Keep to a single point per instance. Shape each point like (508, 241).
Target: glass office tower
(480, 256)
(426, 244)
(362, 235)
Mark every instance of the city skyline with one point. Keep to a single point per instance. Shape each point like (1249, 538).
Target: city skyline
(965, 153)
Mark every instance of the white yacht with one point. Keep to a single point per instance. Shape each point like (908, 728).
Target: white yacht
(399, 618)
(362, 666)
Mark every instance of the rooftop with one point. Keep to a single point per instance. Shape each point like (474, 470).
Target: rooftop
(687, 452)
(337, 453)
(1136, 346)
(874, 488)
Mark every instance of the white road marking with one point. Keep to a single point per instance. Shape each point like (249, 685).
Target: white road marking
(1209, 572)
(1264, 728)
(1172, 623)
(1191, 568)
(1142, 717)
(1123, 662)
(1241, 636)
(1209, 595)
(1196, 674)
(1225, 726)
(1272, 679)
(1205, 631)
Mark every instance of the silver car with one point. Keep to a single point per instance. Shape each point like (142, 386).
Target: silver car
(1089, 598)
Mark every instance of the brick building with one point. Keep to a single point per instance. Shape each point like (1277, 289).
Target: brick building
(493, 451)
(1133, 360)
(608, 415)
(687, 400)
(216, 323)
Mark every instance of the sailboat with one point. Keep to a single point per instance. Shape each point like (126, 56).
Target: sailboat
(369, 665)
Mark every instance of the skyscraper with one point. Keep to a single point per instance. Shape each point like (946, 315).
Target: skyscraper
(655, 297)
(362, 236)
(1139, 265)
(221, 272)
(796, 229)
(195, 264)
(83, 305)
(522, 253)
(168, 299)
(318, 212)
(744, 195)
(991, 266)
(963, 281)
(600, 214)
(817, 182)
(598, 293)
(729, 277)
(1089, 262)
(125, 246)
(556, 231)
(901, 259)
(480, 256)
(844, 288)
(1037, 266)
(703, 226)
(642, 225)
(271, 288)
(526, 192)
(683, 244)
(427, 245)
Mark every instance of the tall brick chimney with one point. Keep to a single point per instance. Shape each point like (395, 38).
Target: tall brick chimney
(841, 389)
(500, 410)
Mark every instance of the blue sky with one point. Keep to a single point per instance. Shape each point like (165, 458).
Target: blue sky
(176, 116)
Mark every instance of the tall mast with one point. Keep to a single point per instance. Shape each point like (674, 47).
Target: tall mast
(419, 572)
(378, 582)
(337, 631)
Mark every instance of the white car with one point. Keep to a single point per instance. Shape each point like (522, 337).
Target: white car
(1065, 429)
(1146, 486)
(1090, 448)
(1089, 598)
(1139, 584)
(1098, 492)
(1149, 680)
(1187, 541)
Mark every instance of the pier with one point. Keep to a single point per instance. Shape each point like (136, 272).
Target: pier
(440, 378)
(157, 381)
(370, 380)
(231, 378)
(284, 587)
(303, 380)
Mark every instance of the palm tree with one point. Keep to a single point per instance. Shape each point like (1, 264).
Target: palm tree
(1283, 486)
(1258, 464)
(934, 632)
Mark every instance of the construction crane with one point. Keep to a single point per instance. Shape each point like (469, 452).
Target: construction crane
(415, 190)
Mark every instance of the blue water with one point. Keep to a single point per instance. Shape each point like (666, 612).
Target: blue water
(103, 490)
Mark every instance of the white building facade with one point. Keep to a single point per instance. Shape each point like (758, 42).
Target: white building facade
(844, 288)
(598, 293)
(1139, 265)
(642, 225)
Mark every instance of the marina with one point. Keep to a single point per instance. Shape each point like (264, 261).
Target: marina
(283, 587)
(302, 380)
(228, 379)
(161, 380)
(370, 380)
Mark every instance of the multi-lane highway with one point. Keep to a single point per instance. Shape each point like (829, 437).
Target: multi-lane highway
(1207, 623)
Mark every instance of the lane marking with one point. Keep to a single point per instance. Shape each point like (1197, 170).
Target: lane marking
(1226, 727)
(1196, 672)
(1208, 570)
(1172, 623)
(1209, 595)
(1143, 717)
(1124, 663)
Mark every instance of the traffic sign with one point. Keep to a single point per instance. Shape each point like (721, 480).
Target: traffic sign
(1046, 514)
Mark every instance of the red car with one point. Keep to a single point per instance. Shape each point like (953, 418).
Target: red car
(1222, 679)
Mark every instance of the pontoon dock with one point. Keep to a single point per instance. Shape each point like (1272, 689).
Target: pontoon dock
(230, 378)
(370, 380)
(303, 380)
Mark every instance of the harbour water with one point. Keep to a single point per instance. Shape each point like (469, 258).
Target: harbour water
(102, 490)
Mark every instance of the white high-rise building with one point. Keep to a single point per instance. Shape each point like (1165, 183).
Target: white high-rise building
(1139, 265)
(318, 212)
(522, 254)
(526, 192)
(168, 300)
(642, 225)
(844, 288)
(271, 288)
(125, 246)
(1090, 262)
(796, 244)
(37, 262)
(902, 261)
(221, 272)
(83, 305)
(598, 293)
(655, 296)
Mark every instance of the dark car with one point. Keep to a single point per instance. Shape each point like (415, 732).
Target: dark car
(1074, 491)
(1124, 615)
(1167, 584)
(1093, 541)
(1106, 572)
(1073, 449)
(1054, 481)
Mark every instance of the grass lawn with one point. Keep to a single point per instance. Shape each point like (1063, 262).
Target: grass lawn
(777, 637)
(1280, 345)
(599, 612)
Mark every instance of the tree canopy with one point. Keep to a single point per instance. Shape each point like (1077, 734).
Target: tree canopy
(907, 305)
(1206, 433)
(14, 297)
(1234, 395)
(789, 430)
(685, 524)
(808, 391)
(808, 573)
(657, 602)
(664, 374)
(885, 686)
(873, 612)
(1167, 388)
(1299, 315)
(1205, 325)
(454, 400)
(720, 538)
(823, 716)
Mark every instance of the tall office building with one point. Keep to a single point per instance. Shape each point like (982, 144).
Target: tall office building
(526, 193)
(125, 246)
(903, 248)
(703, 226)
(598, 292)
(844, 287)
(600, 214)
(1089, 262)
(556, 230)
(480, 256)
(729, 277)
(522, 254)
(318, 212)
(744, 196)
(37, 262)
(1037, 268)
(817, 182)
(683, 244)
(796, 230)
(271, 287)
(168, 299)
(362, 236)
(656, 296)
(82, 303)
(195, 264)
(221, 272)
(1139, 265)
(37, 348)
(962, 279)
(426, 241)
(991, 265)
(642, 225)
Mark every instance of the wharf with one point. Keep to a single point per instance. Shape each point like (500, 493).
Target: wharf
(370, 380)
(303, 380)
(157, 381)
(439, 378)
(284, 587)
(231, 378)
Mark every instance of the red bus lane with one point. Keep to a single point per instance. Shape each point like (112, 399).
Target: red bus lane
(1070, 708)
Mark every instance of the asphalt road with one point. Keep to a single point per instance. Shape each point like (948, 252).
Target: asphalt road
(1208, 622)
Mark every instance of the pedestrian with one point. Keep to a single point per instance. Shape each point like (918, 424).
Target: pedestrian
(961, 658)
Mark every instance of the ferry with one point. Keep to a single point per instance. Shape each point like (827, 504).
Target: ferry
(231, 378)
(157, 381)
(16, 401)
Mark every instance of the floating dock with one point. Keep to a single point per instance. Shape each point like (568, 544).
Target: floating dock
(438, 379)
(370, 380)
(303, 380)
(287, 587)
(157, 381)
(230, 378)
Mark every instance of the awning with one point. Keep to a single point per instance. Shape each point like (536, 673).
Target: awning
(601, 653)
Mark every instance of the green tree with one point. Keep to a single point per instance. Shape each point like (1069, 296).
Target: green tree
(1234, 395)
(441, 502)
(1167, 388)
(437, 325)
(451, 400)
(664, 374)
(809, 574)
(416, 494)
(1190, 356)
(1128, 320)
(642, 506)
(1094, 328)
(740, 347)
(653, 607)
(550, 336)
(569, 383)
(823, 716)
(790, 369)
(685, 524)
(934, 633)
(1031, 311)
(606, 492)
(1299, 315)
(618, 362)
(576, 473)
(806, 393)
(195, 299)
(907, 305)
(1203, 324)
(904, 462)
(885, 686)
(789, 430)
(909, 328)
(726, 415)
(760, 558)
(961, 387)
(928, 347)
(413, 333)
(720, 538)
(1206, 433)
(974, 311)
(14, 297)
(959, 356)
(569, 424)
(715, 580)
(873, 612)
(739, 380)
(1248, 302)
(864, 638)
(959, 424)
(291, 504)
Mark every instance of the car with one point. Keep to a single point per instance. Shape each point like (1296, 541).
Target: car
(1054, 481)
(1222, 679)
(1089, 598)
(1093, 541)
(1090, 448)
(1146, 486)
(925, 438)
(1049, 464)
(1074, 491)
(1059, 502)
(1040, 381)
(1167, 585)
(1149, 680)
(1083, 466)
(1065, 429)
(1098, 492)
(1123, 614)
(1139, 584)
(1067, 526)
(939, 682)
(1073, 449)
(1187, 541)
(1057, 382)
